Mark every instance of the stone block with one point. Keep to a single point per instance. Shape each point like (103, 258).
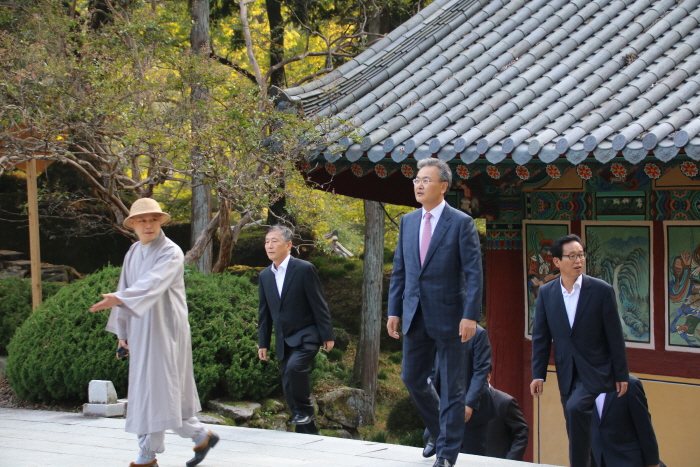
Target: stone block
(101, 392)
(350, 407)
(239, 411)
(117, 409)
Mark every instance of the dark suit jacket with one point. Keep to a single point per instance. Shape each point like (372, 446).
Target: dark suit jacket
(448, 286)
(508, 431)
(299, 315)
(477, 364)
(624, 436)
(594, 345)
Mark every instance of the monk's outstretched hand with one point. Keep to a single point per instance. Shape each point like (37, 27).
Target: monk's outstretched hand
(110, 301)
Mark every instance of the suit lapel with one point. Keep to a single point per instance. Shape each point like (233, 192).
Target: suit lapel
(442, 227)
(288, 276)
(273, 297)
(413, 233)
(582, 301)
(560, 305)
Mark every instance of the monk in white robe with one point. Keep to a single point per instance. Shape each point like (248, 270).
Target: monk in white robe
(149, 316)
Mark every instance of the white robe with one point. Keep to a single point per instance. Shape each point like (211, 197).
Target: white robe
(154, 320)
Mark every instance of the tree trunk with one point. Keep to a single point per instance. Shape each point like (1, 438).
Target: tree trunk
(274, 17)
(201, 193)
(367, 358)
(229, 236)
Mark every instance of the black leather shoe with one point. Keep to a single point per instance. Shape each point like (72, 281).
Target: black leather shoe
(301, 419)
(442, 462)
(201, 451)
(430, 448)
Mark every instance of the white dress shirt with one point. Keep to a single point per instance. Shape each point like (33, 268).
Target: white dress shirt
(436, 213)
(571, 299)
(280, 272)
(599, 403)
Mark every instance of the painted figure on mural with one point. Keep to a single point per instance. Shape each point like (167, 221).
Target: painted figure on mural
(540, 269)
(684, 288)
(477, 200)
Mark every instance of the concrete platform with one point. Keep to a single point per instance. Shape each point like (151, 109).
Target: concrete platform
(32, 438)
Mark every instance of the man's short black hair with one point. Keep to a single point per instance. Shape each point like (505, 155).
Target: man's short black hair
(557, 249)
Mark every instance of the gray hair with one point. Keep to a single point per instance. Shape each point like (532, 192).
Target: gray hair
(285, 232)
(445, 172)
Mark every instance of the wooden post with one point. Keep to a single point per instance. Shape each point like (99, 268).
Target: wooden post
(367, 357)
(34, 250)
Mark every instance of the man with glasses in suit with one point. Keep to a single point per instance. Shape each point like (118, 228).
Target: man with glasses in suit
(435, 297)
(579, 314)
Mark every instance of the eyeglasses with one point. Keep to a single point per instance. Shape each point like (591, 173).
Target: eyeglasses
(573, 257)
(421, 181)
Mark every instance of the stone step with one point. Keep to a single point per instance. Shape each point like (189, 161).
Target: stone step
(18, 263)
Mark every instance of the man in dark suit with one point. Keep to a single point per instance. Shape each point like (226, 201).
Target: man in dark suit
(623, 435)
(436, 289)
(479, 406)
(508, 431)
(579, 313)
(292, 298)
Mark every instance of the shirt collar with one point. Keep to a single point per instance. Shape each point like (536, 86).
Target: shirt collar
(282, 266)
(577, 285)
(437, 210)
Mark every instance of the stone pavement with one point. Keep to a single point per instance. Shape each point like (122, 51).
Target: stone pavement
(30, 438)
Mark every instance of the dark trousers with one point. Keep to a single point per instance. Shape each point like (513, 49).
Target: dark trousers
(578, 407)
(295, 369)
(443, 413)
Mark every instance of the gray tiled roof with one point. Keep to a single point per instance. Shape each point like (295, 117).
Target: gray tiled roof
(533, 80)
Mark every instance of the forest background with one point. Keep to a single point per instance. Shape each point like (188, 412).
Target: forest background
(175, 99)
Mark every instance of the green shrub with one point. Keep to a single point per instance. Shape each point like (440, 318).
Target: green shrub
(223, 317)
(403, 418)
(61, 347)
(382, 375)
(396, 357)
(379, 437)
(414, 438)
(319, 370)
(335, 355)
(16, 305)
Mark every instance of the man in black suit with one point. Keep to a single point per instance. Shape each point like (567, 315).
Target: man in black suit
(579, 313)
(621, 430)
(508, 431)
(292, 298)
(436, 289)
(479, 405)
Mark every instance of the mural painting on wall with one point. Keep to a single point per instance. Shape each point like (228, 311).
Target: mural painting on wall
(477, 199)
(682, 241)
(620, 254)
(558, 205)
(631, 205)
(538, 237)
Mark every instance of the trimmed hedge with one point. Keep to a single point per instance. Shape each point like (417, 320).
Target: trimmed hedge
(16, 305)
(61, 347)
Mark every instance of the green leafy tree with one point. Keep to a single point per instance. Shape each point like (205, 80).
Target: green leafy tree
(114, 104)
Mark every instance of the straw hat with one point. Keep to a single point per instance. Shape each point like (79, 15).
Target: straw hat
(145, 206)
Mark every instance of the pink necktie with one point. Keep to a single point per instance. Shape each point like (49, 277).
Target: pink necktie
(425, 237)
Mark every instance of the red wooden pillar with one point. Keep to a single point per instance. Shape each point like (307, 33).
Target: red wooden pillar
(505, 320)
